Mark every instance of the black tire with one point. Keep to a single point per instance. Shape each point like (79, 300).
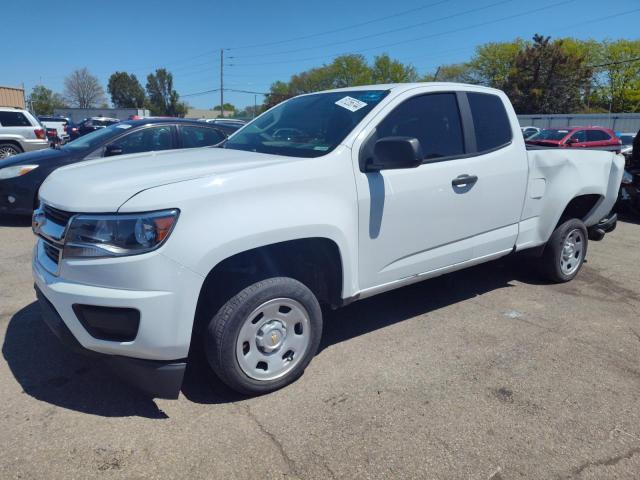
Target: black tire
(9, 149)
(223, 330)
(552, 256)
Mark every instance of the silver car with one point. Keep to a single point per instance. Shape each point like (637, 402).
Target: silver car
(20, 132)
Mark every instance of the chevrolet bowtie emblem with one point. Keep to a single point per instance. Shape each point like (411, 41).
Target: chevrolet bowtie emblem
(274, 339)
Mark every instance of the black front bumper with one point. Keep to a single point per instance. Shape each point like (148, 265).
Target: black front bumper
(161, 379)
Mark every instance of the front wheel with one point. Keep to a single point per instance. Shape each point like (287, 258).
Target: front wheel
(565, 251)
(265, 336)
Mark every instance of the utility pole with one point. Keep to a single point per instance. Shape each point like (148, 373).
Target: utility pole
(221, 82)
(255, 105)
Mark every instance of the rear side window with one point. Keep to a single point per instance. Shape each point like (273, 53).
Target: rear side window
(14, 119)
(490, 120)
(193, 137)
(433, 119)
(597, 136)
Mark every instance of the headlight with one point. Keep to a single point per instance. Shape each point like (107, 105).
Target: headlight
(16, 171)
(118, 235)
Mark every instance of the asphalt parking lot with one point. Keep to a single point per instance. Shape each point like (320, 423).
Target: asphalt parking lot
(483, 374)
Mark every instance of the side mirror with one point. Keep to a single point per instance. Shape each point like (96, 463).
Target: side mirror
(112, 150)
(390, 153)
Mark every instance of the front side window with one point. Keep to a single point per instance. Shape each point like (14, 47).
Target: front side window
(146, 140)
(433, 119)
(14, 119)
(307, 126)
(490, 121)
(193, 137)
(579, 136)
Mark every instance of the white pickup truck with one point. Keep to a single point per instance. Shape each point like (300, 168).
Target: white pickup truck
(325, 199)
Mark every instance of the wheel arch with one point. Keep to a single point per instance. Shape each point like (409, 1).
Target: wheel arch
(316, 262)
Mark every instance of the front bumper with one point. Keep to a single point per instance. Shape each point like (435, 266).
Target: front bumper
(163, 292)
(161, 379)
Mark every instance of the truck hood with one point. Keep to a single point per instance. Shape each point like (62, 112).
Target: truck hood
(104, 185)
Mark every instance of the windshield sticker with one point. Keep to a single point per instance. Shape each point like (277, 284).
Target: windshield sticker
(321, 148)
(372, 96)
(351, 104)
(123, 126)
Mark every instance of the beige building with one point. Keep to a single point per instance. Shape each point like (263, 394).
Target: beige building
(203, 113)
(12, 97)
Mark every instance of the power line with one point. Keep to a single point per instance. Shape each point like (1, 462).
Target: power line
(342, 29)
(620, 62)
(423, 37)
(378, 34)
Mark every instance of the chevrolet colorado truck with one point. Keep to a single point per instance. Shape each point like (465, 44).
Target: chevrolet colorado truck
(322, 200)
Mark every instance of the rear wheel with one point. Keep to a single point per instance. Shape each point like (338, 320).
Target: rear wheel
(9, 149)
(265, 336)
(565, 251)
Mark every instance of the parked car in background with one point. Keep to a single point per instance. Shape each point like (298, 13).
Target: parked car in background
(325, 199)
(20, 132)
(95, 123)
(529, 131)
(627, 145)
(576, 137)
(229, 125)
(21, 176)
(72, 130)
(59, 124)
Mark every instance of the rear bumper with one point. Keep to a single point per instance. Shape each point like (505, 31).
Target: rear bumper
(33, 145)
(157, 378)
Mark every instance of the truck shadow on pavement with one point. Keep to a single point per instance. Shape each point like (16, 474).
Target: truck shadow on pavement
(49, 372)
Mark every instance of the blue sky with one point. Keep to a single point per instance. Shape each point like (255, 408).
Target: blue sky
(269, 41)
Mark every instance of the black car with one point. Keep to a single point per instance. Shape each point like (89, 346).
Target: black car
(92, 124)
(21, 175)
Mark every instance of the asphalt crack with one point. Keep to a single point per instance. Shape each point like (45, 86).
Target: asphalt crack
(607, 462)
(272, 438)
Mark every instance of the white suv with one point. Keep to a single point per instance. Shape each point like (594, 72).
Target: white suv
(20, 132)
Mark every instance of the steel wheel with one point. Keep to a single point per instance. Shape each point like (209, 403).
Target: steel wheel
(273, 339)
(7, 151)
(572, 252)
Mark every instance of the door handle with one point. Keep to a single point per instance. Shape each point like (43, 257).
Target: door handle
(464, 180)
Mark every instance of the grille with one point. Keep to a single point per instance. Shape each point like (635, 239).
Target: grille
(52, 252)
(57, 216)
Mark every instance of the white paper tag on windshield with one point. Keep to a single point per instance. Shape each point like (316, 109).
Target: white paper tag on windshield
(351, 104)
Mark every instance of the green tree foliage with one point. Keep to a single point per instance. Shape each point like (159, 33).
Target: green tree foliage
(162, 99)
(386, 70)
(620, 79)
(228, 107)
(456, 72)
(493, 62)
(125, 90)
(547, 79)
(43, 100)
(344, 71)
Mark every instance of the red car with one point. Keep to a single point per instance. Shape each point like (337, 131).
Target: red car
(586, 137)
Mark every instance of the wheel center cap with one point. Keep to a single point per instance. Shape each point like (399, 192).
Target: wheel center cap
(271, 336)
(569, 249)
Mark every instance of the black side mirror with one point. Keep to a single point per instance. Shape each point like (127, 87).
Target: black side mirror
(390, 153)
(113, 150)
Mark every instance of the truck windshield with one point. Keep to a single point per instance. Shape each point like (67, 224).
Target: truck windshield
(307, 126)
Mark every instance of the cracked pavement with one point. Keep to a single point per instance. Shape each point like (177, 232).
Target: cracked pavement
(483, 374)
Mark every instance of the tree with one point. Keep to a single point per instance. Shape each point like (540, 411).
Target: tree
(125, 90)
(228, 107)
(547, 79)
(43, 100)
(621, 89)
(456, 72)
(492, 63)
(162, 98)
(386, 70)
(83, 90)
(350, 71)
